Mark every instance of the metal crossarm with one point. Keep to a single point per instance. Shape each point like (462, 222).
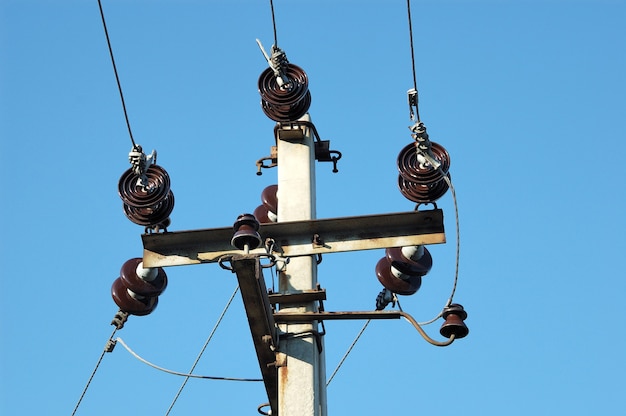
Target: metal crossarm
(299, 238)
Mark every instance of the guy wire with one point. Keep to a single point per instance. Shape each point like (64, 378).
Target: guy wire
(117, 78)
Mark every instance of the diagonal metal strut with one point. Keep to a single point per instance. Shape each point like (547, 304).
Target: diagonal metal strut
(261, 321)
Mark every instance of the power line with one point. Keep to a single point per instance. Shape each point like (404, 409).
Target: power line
(408, 6)
(274, 23)
(117, 78)
(106, 349)
(219, 320)
(348, 352)
(177, 373)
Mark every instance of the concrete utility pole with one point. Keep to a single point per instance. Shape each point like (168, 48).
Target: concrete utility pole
(302, 381)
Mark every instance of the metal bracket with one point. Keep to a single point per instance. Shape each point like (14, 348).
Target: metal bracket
(300, 297)
(305, 317)
(273, 158)
(296, 131)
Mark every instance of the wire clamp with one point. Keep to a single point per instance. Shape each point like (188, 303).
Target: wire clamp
(278, 62)
(413, 101)
(110, 345)
(384, 298)
(140, 163)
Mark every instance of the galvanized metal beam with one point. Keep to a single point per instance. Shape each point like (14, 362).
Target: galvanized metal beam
(262, 326)
(299, 238)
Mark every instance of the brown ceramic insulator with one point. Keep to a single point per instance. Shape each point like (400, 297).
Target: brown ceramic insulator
(155, 215)
(454, 315)
(288, 102)
(138, 196)
(407, 286)
(128, 303)
(422, 194)
(286, 113)
(246, 233)
(269, 198)
(422, 183)
(142, 287)
(419, 267)
(147, 205)
(410, 168)
(261, 214)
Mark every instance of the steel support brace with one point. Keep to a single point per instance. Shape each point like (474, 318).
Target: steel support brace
(259, 312)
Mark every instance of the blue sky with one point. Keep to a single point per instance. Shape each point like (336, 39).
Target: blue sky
(526, 96)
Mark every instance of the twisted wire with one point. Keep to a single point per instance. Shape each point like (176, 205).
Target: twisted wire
(219, 320)
(93, 373)
(117, 78)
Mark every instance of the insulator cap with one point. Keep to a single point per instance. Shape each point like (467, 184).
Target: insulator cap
(288, 102)
(130, 304)
(142, 287)
(246, 233)
(454, 314)
(419, 181)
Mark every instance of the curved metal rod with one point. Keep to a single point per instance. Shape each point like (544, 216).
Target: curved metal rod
(424, 335)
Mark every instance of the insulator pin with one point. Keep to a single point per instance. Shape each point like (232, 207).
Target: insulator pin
(419, 181)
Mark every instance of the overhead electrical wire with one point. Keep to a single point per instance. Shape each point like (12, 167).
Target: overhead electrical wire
(93, 373)
(117, 78)
(177, 373)
(219, 320)
(274, 23)
(348, 352)
(408, 6)
(110, 345)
